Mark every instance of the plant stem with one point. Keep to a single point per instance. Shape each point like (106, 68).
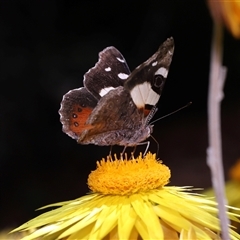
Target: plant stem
(214, 151)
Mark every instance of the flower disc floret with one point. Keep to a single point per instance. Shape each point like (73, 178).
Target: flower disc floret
(122, 177)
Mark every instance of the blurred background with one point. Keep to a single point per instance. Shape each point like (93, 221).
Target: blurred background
(47, 46)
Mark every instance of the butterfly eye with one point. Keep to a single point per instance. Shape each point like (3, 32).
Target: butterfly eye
(158, 80)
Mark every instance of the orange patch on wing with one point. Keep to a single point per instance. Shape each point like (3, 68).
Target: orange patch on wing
(146, 112)
(78, 118)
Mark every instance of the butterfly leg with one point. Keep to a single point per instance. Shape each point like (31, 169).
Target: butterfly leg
(110, 152)
(156, 143)
(148, 144)
(133, 151)
(123, 151)
(143, 143)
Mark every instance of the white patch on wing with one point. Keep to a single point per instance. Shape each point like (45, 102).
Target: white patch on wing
(136, 97)
(162, 71)
(120, 60)
(144, 90)
(153, 98)
(154, 63)
(123, 75)
(104, 91)
(108, 69)
(143, 94)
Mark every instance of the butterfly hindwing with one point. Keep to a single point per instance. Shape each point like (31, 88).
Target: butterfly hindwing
(76, 107)
(110, 71)
(115, 120)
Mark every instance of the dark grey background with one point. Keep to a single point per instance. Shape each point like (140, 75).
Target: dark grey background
(47, 46)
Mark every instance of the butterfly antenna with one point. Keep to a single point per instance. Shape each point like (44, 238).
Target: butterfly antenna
(181, 108)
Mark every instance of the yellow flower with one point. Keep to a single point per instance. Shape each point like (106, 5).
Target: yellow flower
(4, 235)
(126, 177)
(130, 201)
(228, 12)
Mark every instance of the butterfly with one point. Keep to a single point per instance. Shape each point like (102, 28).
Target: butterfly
(115, 106)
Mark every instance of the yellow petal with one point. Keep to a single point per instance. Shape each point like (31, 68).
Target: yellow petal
(127, 218)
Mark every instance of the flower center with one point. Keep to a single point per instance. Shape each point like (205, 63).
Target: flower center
(123, 176)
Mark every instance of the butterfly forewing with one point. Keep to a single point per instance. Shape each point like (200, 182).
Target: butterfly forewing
(110, 71)
(146, 82)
